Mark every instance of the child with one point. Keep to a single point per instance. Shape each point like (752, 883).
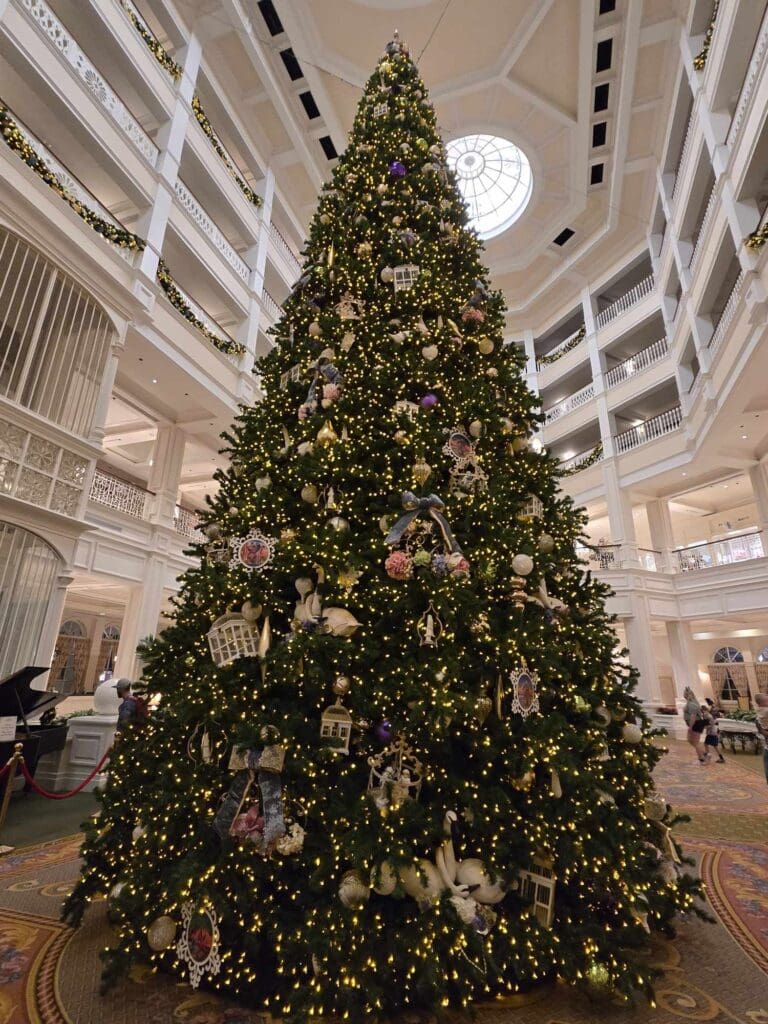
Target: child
(712, 738)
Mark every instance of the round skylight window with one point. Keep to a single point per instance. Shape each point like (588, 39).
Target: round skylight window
(494, 178)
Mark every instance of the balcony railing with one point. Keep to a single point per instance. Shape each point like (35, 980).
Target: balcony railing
(270, 307)
(742, 548)
(727, 315)
(186, 522)
(640, 361)
(570, 343)
(158, 51)
(698, 246)
(574, 401)
(683, 155)
(208, 227)
(62, 42)
(285, 248)
(649, 430)
(599, 557)
(112, 492)
(650, 559)
(750, 80)
(585, 459)
(197, 316)
(625, 302)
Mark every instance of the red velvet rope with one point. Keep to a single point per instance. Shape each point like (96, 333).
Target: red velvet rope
(61, 796)
(5, 769)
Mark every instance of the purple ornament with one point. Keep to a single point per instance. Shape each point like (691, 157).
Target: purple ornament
(396, 169)
(383, 731)
(429, 401)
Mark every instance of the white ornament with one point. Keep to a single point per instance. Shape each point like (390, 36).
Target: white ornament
(309, 493)
(387, 275)
(631, 733)
(161, 933)
(137, 833)
(263, 483)
(353, 892)
(232, 636)
(347, 341)
(383, 879)
(537, 884)
(202, 957)
(522, 565)
(405, 276)
(315, 330)
(380, 109)
(481, 886)
(422, 881)
(430, 352)
(336, 724)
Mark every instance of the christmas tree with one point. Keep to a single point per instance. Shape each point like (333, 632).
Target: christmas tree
(396, 759)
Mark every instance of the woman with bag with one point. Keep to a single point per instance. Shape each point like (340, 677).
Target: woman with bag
(694, 719)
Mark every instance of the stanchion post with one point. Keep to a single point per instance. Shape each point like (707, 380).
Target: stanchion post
(16, 758)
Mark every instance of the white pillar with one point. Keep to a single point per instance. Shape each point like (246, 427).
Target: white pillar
(49, 634)
(660, 528)
(165, 474)
(684, 666)
(98, 427)
(641, 652)
(140, 618)
(758, 476)
(620, 514)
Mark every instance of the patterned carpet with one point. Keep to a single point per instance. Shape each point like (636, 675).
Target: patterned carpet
(712, 973)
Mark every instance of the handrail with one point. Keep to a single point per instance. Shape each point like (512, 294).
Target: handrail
(634, 364)
(222, 153)
(698, 246)
(570, 343)
(683, 154)
(727, 315)
(284, 246)
(742, 547)
(64, 44)
(664, 423)
(723, 540)
(197, 316)
(627, 301)
(574, 401)
(209, 227)
(116, 493)
(270, 306)
(750, 78)
(151, 41)
(583, 460)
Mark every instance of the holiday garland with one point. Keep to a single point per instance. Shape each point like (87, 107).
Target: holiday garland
(158, 51)
(552, 357)
(594, 456)
(700, 60)
(16, 140)
(177, 300)
(213, 138)
(758, 238)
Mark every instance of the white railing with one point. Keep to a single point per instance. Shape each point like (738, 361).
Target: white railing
(574, 401)
(118, 494)
(271, 308)
(649, 559)
(47, 22)
(186, 522)
(206, 224)
(727, 315)
(600, 557)
(743, 548)
(656, 426)
(639, 361)
(627, 301)
(576, 462)
(699, 246)
(683, 155)
(284, 247)
(750, 79)
(560, 350)
(202, 316)
(74, 189)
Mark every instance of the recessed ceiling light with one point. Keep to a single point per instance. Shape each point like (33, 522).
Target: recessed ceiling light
(685, 474)
(726, 486)
(154, 380)
(744, 437)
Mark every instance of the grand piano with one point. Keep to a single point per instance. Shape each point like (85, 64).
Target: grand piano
(19, 700)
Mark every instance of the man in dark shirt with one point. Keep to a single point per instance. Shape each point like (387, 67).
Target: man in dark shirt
(130, 710)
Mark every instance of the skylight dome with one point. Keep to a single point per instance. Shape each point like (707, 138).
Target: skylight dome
(494, 178)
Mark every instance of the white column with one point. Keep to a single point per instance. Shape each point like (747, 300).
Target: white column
(660, 528)
(98, 427)
(170, 140)
(758, 476)
(620, 515)
(165, 474)
(684, 667)
(531, 372)
(50, 632)
(641, 652)
(140, 618)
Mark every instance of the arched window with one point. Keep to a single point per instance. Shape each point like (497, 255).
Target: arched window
(72, 628)
(727, 679)
(28, 570)
(54, 338)
(727, 655)
(111, 632)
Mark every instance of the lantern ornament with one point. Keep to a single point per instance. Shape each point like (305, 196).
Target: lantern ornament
(381, 110)
(396, 775)
(429, 627)
(231, 637)
(537, 884)
(533, 508)
(336, 724)
(405, 276)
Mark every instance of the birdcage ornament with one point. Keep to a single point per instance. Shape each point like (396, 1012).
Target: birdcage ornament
(231, 637)
(429, 627)
(381, 110)
(405, 276)
(537, 885)
(396, 775)
(218, 553)
(533, 508)
(336, 724)
(291, 375)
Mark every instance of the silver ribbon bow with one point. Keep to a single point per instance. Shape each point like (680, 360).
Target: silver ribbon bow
(414, 507)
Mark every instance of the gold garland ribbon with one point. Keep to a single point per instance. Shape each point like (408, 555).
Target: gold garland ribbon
(213, 138)
(549, 359)
(166, 282)
(156, 48)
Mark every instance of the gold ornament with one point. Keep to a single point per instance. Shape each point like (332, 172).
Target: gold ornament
(309, 493)
(315, 330)
(341, 685)
(161, 933)
(483, 708)
(486, 346)
(326, 435)
(422, 471)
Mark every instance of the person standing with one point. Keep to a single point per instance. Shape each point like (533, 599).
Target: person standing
(710, 714)
(132, 709)
(761, 720)
(695, 722)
